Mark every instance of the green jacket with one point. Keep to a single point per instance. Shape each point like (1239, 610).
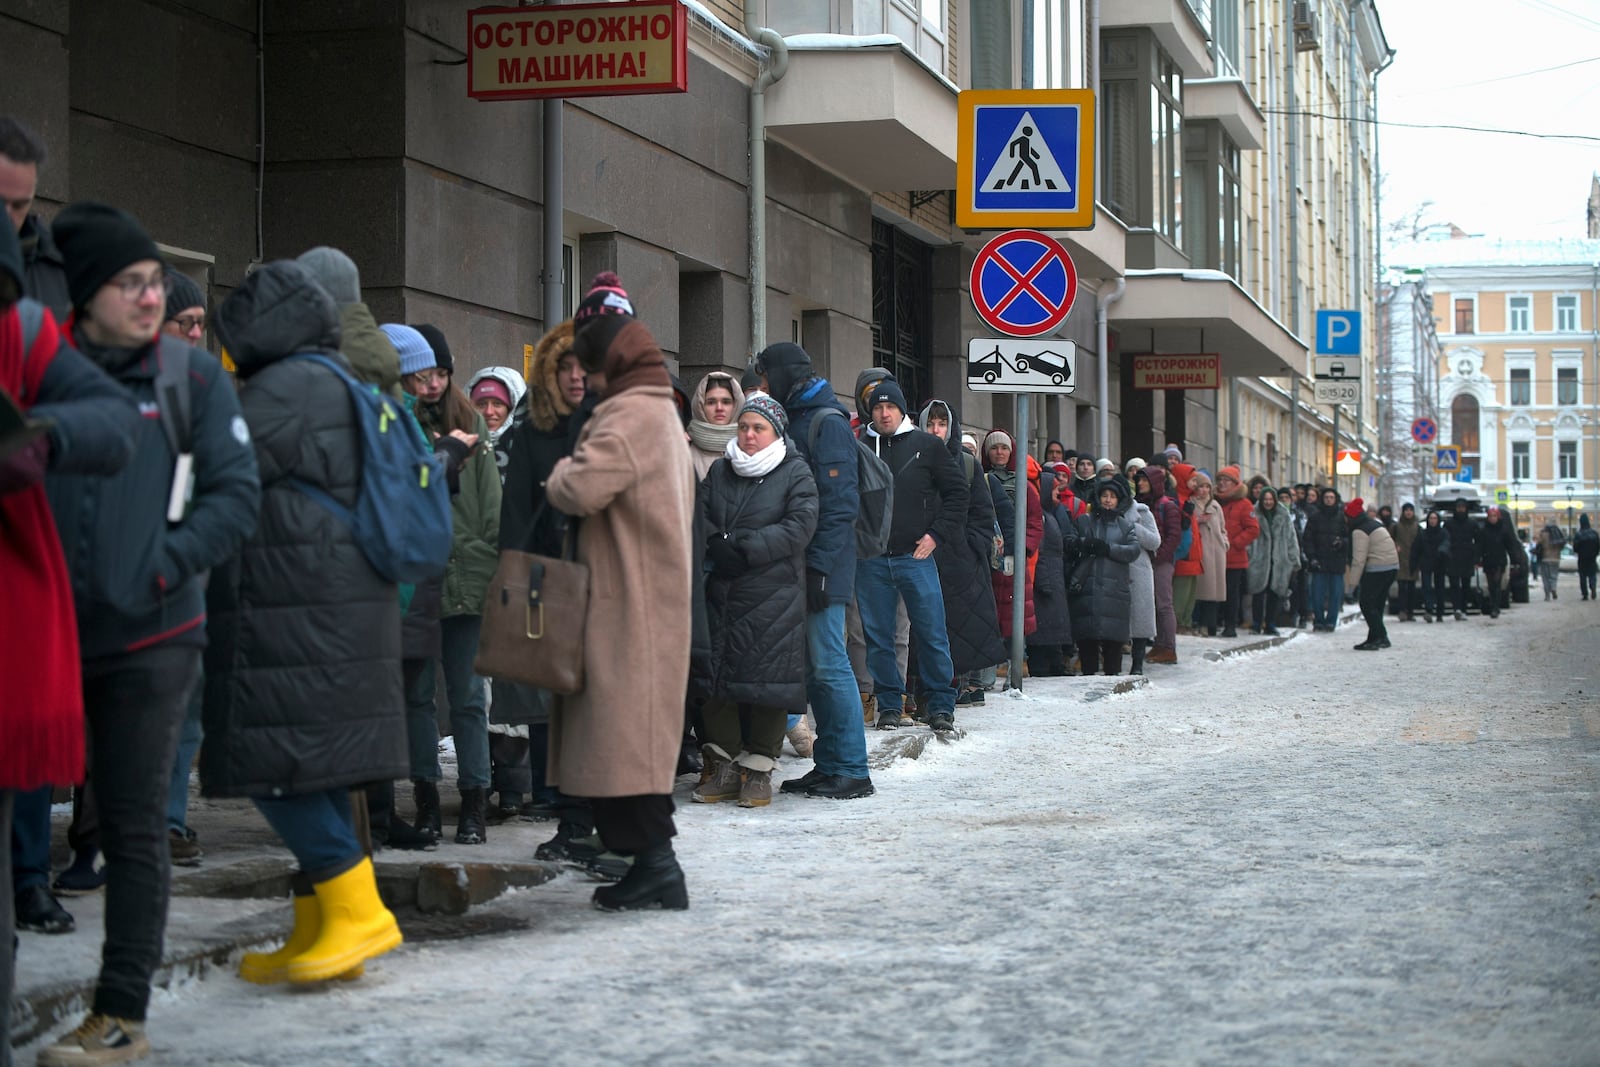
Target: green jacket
(371, 354)
(475, 512)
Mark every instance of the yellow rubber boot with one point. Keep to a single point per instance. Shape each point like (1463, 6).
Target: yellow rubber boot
(355, 927)
(269, 968)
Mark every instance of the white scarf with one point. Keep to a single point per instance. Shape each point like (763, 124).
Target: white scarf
(759, 465)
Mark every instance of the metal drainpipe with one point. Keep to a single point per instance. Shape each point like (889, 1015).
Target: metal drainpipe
(776, 67)
(555, 302)
(1102, 384)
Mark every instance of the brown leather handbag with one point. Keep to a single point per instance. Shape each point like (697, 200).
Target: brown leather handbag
(534, 616)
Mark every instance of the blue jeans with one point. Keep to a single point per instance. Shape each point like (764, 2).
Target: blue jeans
(880, 584)
(841, 743)
(188, 744)
(317, 828)
(30, 838)
(469, 716)
(1327, 594)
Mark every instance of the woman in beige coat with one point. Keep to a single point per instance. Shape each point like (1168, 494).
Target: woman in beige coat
(1212, 588)
(631, 484)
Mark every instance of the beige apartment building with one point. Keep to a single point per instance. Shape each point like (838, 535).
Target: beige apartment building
(1519, 363)
(1233, 201)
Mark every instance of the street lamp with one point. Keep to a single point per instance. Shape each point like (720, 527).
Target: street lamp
(1572, 503)
(1517, 503)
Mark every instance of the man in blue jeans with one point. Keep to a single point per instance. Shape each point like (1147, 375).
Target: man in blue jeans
(930, 509)
(840, 748)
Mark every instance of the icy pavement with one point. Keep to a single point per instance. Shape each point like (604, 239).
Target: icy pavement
(1305, 855)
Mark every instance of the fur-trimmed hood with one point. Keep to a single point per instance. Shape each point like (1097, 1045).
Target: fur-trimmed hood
(546, 403)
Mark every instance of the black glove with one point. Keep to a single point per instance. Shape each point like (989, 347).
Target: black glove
(725, 556)
(816, 592)
(1094, 546)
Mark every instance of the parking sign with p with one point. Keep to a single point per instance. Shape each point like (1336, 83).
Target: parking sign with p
(1338, 333)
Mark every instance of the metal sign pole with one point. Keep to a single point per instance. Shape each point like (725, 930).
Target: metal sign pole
(1019, 545)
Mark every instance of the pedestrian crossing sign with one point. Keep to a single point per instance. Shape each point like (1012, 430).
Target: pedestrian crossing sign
(1025, 159)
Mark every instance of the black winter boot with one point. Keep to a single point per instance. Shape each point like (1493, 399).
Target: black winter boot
(472, 829)
(655, 879)
(427, 797)
(1140, 644)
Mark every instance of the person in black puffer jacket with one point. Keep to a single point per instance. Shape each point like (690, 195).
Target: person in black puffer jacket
(1430, 560)
(1326, 547)
(1099, 592)
(758, 510)
(302, 674)
(969, 607)
(1497, 547)
(1463, 554)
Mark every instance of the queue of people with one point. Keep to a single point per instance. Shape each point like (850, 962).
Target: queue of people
(194, 557)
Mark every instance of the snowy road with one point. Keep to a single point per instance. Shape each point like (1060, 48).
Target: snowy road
(1306, 855)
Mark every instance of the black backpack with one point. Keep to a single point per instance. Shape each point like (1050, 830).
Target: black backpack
(874, 483)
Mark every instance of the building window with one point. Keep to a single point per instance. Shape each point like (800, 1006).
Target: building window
(1519, 314)
(1521, 387)
(1141, 103)
(1213, 232)
(1567, 459)
(1464, 315)
(1521, 461)
(1566, 385)
(1566, 314)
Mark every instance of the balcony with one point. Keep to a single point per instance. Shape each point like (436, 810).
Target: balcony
(868, 110)
(1191, 311)
(1226, 101)
(1173, 22)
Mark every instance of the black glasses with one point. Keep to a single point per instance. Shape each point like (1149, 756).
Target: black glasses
(190, 323)
(132, 288)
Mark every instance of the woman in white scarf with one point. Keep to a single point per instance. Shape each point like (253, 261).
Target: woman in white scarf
(716, 400)
(758, 510)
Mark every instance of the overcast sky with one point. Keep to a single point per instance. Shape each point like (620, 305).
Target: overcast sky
(1470, 63)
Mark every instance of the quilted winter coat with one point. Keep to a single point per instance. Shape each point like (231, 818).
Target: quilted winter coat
(1100, 588)
(757, 618)
(302, 679)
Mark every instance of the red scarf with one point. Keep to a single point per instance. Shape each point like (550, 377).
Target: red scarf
(41, 701)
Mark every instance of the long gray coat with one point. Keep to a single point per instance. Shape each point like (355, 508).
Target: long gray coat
(1142, 612)
(1099, 588)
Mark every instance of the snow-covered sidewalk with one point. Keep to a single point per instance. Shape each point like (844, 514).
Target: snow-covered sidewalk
(1304, 854)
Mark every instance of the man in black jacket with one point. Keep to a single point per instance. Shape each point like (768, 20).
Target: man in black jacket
(1326, 547)
(138, 546)
(1463, 533)
(1497, 547)
(930, 510)
(840, 749)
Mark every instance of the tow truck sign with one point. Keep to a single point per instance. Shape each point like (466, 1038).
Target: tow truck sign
(1010, 365)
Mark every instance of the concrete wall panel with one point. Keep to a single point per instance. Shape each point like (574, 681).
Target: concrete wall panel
(623, 183)
(359, 208)
(190, 79)
(184, 196)
(648, 273)
(709, 124)
(32, 40)
(335, 95)
(499, 143)
(467, 243)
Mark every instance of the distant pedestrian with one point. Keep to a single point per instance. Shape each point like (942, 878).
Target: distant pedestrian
(1168, 515)
(1586, 546)
(1373, 565)
(1326, 544)
(1239, 514)
(1430, 562)
(713, 407)
(1497, 547)
(1404, 531)
(1463, 554)
(1211, 540)
(1551, 541)
(1099, 588)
